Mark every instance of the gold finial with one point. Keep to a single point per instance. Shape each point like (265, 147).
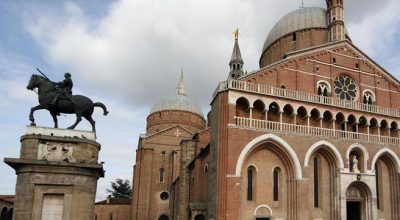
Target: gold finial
(236, 34)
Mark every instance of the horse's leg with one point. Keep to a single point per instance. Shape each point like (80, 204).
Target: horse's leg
(92, 122)
(33, 109)
(54, 115)
(78, 119)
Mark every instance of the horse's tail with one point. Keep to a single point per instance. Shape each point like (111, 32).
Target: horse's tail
(101, 105)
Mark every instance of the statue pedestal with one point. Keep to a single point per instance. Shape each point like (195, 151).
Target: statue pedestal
(57, 174)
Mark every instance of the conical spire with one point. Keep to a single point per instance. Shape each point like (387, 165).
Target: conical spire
(236, 63)
(180, 90)
(236, 55)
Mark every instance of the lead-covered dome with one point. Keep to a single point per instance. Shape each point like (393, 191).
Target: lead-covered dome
(180, 101)
(303, 18)
(177, 102)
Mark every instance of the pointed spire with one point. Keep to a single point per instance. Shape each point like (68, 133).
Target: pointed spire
(180, 90)
(236, 55)
(236, 62)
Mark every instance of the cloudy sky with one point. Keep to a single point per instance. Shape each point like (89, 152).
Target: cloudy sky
(128, 54)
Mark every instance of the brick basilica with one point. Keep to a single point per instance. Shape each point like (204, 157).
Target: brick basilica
(313, 134)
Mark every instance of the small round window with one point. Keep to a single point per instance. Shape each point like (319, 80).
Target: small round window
(164, 195)
(345, 88)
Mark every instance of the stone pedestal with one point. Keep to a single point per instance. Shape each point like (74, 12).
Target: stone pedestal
(57, 174)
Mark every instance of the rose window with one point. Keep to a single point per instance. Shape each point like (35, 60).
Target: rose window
(345, 88)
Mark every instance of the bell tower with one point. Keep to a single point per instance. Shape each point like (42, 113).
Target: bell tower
(236, 63)
(336, 20)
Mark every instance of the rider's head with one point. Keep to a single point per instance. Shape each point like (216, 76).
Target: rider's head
(67, 75)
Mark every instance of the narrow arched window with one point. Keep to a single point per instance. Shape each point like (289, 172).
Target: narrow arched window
(377, 186)
(316, 185)
(110, 216)
(276, 184)
(162, 172)
(250, 173)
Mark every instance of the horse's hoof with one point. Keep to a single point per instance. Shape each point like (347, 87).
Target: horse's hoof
(33, 124)
(71, 128)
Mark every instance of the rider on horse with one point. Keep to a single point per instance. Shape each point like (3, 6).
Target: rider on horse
(64, 88)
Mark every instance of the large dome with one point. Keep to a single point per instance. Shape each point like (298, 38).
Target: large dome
(303, 18)
(177, 102)
(180, 101)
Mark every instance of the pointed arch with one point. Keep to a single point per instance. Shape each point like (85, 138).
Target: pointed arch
(269, 137)
(328, 145)
(383, 151)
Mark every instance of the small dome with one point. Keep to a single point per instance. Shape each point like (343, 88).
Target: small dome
(177, 102)
(303, 18)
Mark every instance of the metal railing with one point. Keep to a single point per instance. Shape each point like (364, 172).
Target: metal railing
(315, 131)
(302, 96)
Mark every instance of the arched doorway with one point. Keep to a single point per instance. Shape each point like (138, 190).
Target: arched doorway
(358, 202)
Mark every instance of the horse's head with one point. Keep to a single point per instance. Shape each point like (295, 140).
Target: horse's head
(33, 82)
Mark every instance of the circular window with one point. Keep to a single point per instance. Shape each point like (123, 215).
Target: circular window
(164, 195)
(345, 88)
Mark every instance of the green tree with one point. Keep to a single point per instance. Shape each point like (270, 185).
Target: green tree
(120, 189)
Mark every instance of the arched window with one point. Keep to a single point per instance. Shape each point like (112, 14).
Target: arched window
(95, 217)
(242, 108)
(324, 88)
(276, 174)
(316, 185)
(368, 97)
(162, 172)
(110, 216)
(250, 183)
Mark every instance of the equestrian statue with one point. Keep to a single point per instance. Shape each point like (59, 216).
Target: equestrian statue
(57, 98)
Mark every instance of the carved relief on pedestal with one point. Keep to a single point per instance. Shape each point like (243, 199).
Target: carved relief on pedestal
(56, 152)
(66, 152)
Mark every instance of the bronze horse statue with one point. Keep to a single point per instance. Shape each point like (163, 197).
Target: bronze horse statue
(80, 105)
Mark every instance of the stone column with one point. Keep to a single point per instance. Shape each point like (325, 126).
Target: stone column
(320, 121)
(266, 114)
(333, 124)
(251, 111)
(308, 123)
(368, 132)
(56, 165)
(379, 130)
(280, 119)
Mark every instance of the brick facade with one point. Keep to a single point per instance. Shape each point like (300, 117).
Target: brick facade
(313, 134)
